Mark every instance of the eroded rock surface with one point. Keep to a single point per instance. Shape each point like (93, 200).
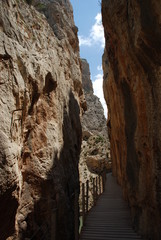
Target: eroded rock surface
(132, 88)
(40, 131)
(93, 119)
(95, 150)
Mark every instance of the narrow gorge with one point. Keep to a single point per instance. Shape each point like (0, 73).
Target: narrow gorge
(53, 133)
(95, 157)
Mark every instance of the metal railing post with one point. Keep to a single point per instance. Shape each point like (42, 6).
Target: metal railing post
(99, 179)
(103, 180)
(76, 215)
(87, 195)
(83, 202)
(96, 188)
(94, 198)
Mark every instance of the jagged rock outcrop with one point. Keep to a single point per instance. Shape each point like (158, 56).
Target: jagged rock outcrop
(132, 86)
(95, 150)
(40, 131)
(93, 120)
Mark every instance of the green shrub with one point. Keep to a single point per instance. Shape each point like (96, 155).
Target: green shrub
(99, 139)
(40, 6)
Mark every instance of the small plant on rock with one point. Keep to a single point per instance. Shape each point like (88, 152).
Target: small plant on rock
(40, 6)
(99, 139)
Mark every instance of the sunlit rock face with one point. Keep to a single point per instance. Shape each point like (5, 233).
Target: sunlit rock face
(93, 119)
(40, 131)
(132, 88)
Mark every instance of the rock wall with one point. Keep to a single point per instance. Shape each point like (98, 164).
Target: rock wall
(40, 131)
(93, 119)
(132, 86)
(95, 149)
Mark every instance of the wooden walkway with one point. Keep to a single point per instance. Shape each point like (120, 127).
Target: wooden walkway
(110, 218)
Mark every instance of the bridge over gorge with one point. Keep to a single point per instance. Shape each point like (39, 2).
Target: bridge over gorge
(110, 218)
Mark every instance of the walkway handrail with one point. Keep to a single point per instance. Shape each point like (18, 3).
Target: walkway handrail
(98, 187)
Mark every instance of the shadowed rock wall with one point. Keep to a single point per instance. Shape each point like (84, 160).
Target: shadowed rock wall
(40, 130)
(132, 88)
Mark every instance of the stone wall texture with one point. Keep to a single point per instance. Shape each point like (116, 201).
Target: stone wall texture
(40, 132)
(132, 88)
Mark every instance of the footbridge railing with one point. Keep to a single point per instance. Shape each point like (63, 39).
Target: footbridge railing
(89, 194)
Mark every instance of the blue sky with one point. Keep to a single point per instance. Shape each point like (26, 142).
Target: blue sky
(87, 17)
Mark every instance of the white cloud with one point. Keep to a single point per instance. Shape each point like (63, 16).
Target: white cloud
(98, 91)
(96, 35)
(97, 32)
(84, 41)
(99, 67)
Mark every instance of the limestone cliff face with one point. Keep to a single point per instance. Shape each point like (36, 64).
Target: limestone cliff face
(95, 150)
(40, 130)
(132, 87)
(59, 15)
(93, 119)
